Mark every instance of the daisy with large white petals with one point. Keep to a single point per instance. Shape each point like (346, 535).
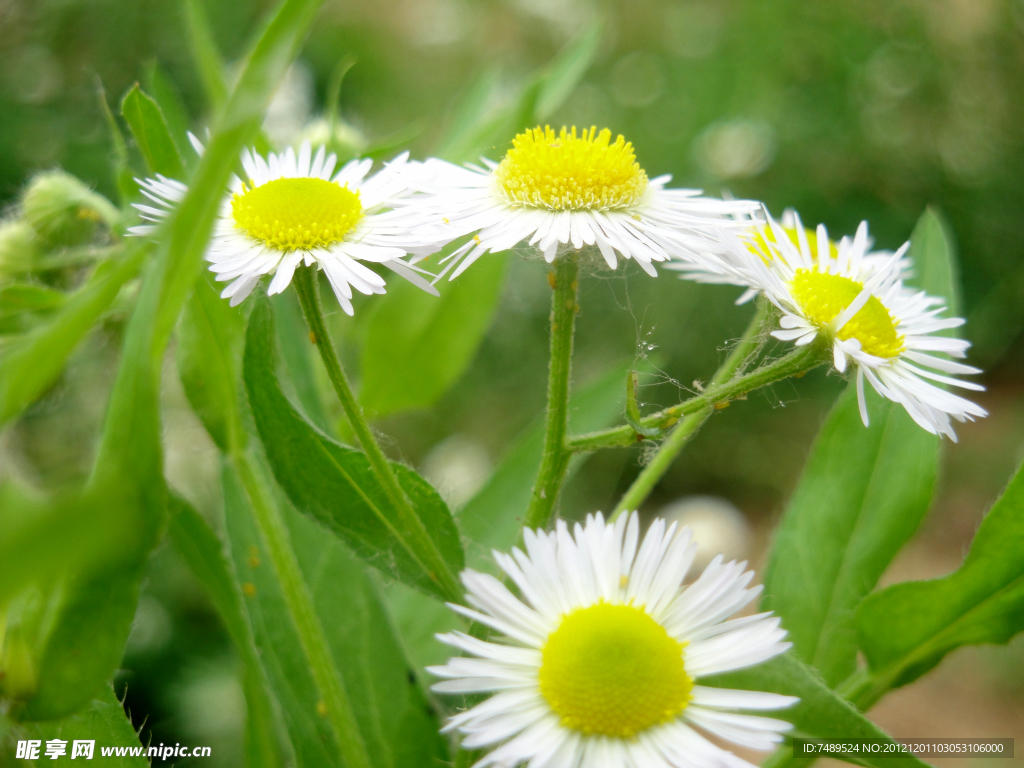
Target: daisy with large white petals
(294, 209)
(760, 239)
(856, 300)
(575, 190)
(599, 662)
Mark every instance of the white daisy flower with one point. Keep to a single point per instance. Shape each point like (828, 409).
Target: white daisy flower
(563, 189)
(858, 302)
(294, 209)
(760, 239)
(600, 660)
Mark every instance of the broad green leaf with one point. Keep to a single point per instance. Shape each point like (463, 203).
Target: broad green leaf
(396, 722)
(298, 353)
(30, 364)
(103, 721)
(334, 484)
(147, 124)
(935, 264)
(87, 642)
(168, 98)
(862, 495)
(821, 713)
(565, 72)
(906, 629)
(210, 339)
(207, 58)
(204, 553)
(429, 340)
(493, 517)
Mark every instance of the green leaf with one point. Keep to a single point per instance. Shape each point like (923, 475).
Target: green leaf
(204, 553)
(32, 363)
(168, 98)
(88, 639)
(208, 60)
(565, 72)
(126, 492)
(821, 713)
(102, 721)
(147, 124)
(935, 264)
(127, 188)
(396, 722)
(210, 339)
(862, 495)
(300, 357)
(906, 629)
(493, 517)
(416, 337)
(335, 485)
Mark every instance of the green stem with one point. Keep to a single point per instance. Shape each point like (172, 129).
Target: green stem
(300, 606)
(555, 458)
(412, 528)
(798, 361)
(719, 395)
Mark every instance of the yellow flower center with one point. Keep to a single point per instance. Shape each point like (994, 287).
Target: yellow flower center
(823, 297)
(613, 670)
(570, 172)
(296, 214)
(761, 236)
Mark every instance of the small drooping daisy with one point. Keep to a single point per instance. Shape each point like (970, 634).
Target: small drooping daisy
(294, 209)
(857, 301)
(599, 662)
(560, 189)
(760, 239)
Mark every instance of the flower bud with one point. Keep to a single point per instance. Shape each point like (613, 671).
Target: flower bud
(64, 211)
(347, 142)
(19, 247)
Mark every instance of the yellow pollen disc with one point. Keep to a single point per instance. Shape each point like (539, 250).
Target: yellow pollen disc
(569, 172)
(613, 670)
(296, 214)
(760, 237)
(823, 297)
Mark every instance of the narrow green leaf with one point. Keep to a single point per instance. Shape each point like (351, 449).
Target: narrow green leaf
(821, 713)
(32, 363)
(334, 484)
(862, 495)
(210, 338)
(28, 297)
(147, 124)
(907, 628)
(565, 72)
(204, 553)
(416, 337)
(126, 186)
(397, 724)
(468, 116)
(208, 60)
(103, 721)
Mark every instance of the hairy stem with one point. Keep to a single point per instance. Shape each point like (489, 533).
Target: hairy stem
(299, 601)
(555, 459)
(412, 530)
(718, 395)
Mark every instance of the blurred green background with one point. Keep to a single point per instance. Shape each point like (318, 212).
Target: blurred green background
(860, 109)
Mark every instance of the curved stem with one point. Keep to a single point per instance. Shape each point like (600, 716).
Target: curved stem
(799, 361)
(555, 459)
(412, 530)
(299, 602)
